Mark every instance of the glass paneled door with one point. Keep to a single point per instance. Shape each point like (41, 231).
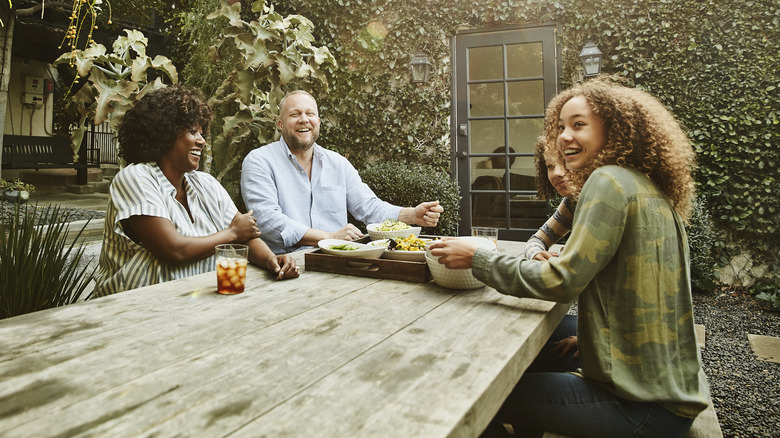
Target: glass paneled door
(502, 83)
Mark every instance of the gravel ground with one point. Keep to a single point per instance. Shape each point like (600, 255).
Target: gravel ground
(70, 214)
(745, 390)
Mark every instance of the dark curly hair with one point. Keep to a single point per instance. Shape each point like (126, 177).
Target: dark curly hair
(641, 134)
(543, 184)
(148, 130)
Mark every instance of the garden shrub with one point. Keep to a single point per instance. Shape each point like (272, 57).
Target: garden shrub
(38, 268)
(408, 184)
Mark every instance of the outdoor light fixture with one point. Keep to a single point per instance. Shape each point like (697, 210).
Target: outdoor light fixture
(590, 57)
(420, 68)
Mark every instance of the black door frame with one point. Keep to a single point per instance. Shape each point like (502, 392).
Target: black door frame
(459, 140)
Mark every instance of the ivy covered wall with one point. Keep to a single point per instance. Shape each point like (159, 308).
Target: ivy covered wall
(715, 63)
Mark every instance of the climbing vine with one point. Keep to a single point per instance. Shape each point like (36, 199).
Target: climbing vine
(715, 63)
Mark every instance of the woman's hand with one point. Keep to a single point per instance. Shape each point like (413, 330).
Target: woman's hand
(454, 253)
(283, 265)
(544, 256)
(244, 226)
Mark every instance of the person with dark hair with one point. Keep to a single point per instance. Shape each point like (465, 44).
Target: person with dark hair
(626, 262)
(303, 192)
(552, 179)
(164, 217)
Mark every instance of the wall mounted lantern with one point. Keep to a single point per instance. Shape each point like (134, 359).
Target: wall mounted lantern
(590, 57)
(420, 68)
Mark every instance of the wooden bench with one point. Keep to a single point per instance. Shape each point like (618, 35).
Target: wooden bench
(33, 152)
(36, 152)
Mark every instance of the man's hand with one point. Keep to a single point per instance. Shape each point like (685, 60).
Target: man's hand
(284, 267)
(348, 232)
(244, 226)
(564, 346)
(427, 214)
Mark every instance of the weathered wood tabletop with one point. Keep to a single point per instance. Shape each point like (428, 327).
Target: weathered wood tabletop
(323, 355)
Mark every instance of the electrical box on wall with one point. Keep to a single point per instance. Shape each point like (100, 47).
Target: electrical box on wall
(33, 85)
(32, 99)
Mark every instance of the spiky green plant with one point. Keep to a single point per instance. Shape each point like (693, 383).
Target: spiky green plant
(39, 269)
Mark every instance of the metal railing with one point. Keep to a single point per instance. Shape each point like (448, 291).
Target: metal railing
(100, 144)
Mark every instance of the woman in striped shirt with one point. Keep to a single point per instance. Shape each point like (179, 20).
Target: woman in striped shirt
(164, 216)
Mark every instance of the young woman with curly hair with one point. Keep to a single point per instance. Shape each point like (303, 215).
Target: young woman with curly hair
(626, 262)
(552, 179)
(164, 217)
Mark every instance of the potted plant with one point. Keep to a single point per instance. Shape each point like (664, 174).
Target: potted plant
(15, 191)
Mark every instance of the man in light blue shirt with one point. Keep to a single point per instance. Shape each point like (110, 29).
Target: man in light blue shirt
(301, 192)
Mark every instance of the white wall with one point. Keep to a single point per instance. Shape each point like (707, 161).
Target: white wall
(23, 119)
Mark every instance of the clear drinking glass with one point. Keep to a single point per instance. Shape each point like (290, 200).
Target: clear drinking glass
(487, 233)
(231, 268)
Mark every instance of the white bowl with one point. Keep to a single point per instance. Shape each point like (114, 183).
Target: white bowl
(363, 250)
(456, 278)
(410, 256)
(375, 234)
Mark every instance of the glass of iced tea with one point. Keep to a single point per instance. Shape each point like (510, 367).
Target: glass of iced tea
(231, 268)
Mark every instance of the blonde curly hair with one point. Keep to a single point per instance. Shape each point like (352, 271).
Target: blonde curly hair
(641, 133)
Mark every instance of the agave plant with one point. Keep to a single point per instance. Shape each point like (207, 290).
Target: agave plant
(38, 268)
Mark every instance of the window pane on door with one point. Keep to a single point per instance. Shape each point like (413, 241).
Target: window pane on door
(523, 133)
(486, 63)
(524, 60)
(527, 211)
(522, 174)
(486, 100)
(486, 135)
(525, 98)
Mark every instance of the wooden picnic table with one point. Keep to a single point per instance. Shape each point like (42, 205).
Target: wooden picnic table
(323, 355)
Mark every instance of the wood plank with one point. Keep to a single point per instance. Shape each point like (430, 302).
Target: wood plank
(389, 394)
(117, 353)
(324, 354)
(152, 386)
(136, 305)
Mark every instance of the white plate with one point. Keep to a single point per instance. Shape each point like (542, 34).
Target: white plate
(412, 256)
(364, 251)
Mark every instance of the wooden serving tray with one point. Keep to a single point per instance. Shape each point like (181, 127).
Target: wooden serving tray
(417, 272)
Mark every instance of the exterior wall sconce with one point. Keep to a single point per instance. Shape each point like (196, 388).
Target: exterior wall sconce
(590, 57)
(420, 69)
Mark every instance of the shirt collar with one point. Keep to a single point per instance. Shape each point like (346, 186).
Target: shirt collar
(166, 185)
(316, 148)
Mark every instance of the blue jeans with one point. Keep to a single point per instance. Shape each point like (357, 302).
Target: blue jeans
(567, 404)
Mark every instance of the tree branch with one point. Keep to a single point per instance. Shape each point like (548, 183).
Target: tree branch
(57, 6)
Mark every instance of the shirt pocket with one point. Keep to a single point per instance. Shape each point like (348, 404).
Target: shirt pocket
(333, 199)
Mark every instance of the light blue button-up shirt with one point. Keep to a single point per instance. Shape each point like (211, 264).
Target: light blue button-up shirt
(286, 203)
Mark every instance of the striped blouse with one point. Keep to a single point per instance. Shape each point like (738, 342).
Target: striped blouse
(142, 189)
(552, 231)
